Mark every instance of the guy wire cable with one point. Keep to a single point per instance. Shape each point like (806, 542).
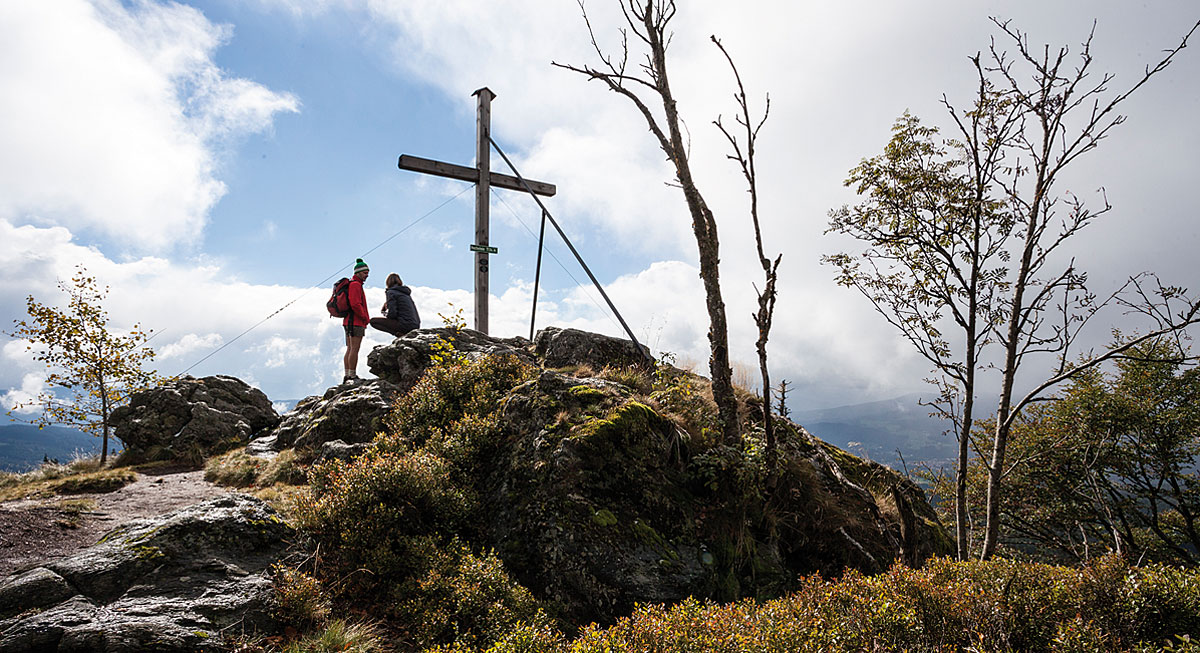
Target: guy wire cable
(319, 284)
(578, 256)
(587, 293)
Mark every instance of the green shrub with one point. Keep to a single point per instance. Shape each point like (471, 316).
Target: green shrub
(367, 511)
(946, 606)
(300, 600)
(462, 599)
(447, 394)
(681, 395)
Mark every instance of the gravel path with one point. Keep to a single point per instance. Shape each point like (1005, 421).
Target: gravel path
(34, 531)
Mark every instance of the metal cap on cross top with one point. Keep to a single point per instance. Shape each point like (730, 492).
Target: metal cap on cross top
(483, 178)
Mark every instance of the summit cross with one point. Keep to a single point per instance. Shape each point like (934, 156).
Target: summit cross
(484, 179)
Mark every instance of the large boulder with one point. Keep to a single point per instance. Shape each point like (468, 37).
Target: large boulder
(191, 419)
(406, 358)
(170, 583)
(566, 347)
(350, 412)
(599, 503)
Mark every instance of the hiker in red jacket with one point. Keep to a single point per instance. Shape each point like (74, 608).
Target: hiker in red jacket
(356, 322)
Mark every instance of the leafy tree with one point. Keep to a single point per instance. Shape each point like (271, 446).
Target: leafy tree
(973, 232)
(1111, 465)
(934, 251)
(94, 369)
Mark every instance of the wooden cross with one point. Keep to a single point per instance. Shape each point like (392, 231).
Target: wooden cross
(484, 179)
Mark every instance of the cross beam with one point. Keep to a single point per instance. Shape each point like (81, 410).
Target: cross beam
(484, 179)
(463, 173)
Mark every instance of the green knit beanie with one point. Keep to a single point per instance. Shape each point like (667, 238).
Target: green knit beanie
(359, 266)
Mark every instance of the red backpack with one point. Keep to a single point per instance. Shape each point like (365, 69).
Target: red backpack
(339, 301)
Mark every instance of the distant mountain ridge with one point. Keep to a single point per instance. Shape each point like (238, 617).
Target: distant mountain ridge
(877, 429)
(24, 446)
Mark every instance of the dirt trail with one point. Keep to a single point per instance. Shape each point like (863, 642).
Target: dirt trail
(38, 530)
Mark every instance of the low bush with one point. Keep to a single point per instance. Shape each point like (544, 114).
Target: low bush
(372, 512)
(448, 394)
(462, 599)
(947, 606)
(300, 599)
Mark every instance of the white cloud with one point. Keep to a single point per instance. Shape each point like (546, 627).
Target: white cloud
(32, 386)
(194, 307)
(137, 126)
(189, 344)
(279, 351)
(113, 119)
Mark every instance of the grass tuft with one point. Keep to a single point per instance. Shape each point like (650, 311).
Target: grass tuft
(338, 636)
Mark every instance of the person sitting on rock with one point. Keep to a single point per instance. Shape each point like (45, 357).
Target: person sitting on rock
(399, 312)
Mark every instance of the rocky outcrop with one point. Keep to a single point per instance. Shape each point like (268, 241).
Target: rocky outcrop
(351, 412)
(172, 583)
(566, 347)
(405, 359)
(191, 419)
(339, 450)
(602, 503)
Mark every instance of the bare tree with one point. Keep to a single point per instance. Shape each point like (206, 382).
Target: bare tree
(1065, 115)
(743, 154)
(647, 21)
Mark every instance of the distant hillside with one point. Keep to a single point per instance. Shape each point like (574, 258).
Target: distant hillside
(877, 429)
(22, 446)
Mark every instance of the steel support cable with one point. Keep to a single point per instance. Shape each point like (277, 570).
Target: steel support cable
(549, 251)
(546, 212)
(537, 274)
(318, 284)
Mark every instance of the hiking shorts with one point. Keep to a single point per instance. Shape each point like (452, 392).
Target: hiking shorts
(354, 331)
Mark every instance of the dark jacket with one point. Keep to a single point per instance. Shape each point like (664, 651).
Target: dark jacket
(400, 307)
(358, 305)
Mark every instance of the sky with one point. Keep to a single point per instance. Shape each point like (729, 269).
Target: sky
(219, 163)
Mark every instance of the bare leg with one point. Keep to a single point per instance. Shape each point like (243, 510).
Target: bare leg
(351, 359)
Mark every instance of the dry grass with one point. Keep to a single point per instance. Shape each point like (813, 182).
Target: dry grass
(237, 468)
(746, 377)
(234, 468)
(284, 498)
(632, 377)
(61, 478)
(107, 480)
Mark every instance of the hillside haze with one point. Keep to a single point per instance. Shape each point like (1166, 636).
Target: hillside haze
(874, 430)
(24, 446)
(877, 429)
